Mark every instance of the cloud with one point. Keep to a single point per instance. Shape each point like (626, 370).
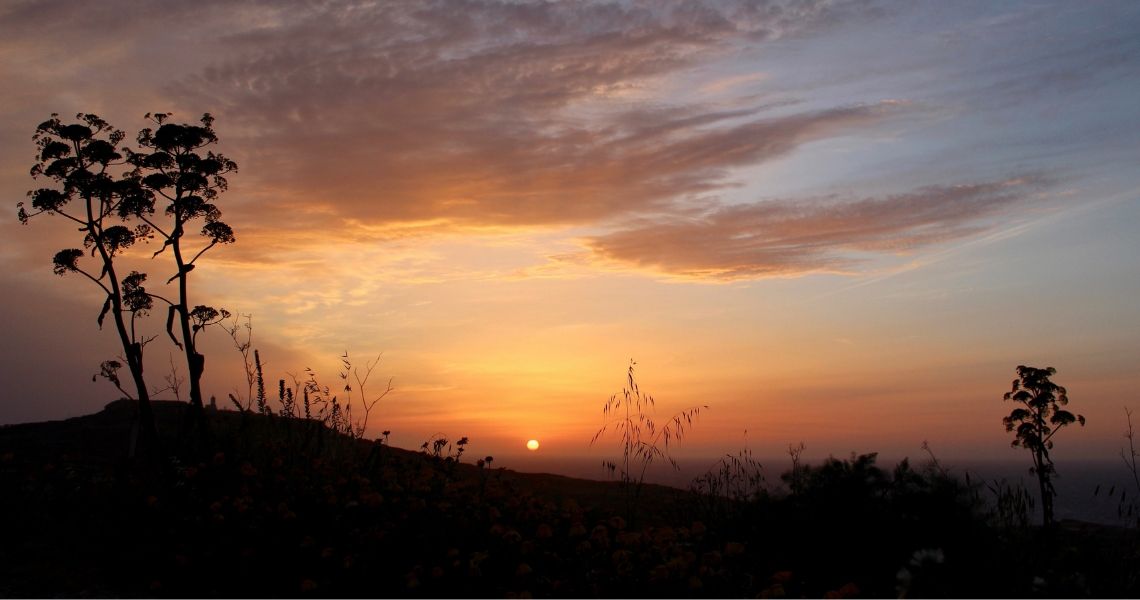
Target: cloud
(782, 238)
(354, 118)
(495, 113)
(1088, 56)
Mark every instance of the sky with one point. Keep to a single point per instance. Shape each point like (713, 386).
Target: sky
(836, 223)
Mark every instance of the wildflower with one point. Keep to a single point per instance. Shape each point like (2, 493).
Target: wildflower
(600, 536)
(621, 556)
(926, 556)
(848, 590)
(711, 559)
(473, 569)
(629, 538)
(775, 590)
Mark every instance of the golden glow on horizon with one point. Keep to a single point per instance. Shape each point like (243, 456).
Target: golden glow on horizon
(532, 445)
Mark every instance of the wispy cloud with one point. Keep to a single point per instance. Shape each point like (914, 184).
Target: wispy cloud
(399, 118)
(493, 113)
(782, 238)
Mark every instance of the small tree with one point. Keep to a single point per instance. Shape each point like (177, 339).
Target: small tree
(172, 167)
(1036, 422)
(82, 160)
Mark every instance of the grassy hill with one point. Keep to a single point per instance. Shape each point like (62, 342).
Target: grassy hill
(254, 505)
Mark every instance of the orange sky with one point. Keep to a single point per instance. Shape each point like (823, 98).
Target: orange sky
(833, 226)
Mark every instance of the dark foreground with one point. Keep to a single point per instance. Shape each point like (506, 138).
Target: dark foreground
(256, 506)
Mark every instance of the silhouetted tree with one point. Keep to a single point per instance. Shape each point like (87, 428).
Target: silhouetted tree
(85, 163)
(1036, 422)
(172, 167)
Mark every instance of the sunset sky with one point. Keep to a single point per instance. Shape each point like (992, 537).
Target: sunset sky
(841, 223)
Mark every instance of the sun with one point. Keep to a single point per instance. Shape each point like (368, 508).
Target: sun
(532, 445)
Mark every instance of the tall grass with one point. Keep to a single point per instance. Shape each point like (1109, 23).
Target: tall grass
(641, 439)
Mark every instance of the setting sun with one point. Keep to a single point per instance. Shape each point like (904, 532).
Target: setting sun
(532, 445)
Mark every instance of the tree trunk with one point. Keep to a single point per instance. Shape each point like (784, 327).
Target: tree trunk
(148, 434)
(197, 367)
(1046, 491)
(147, 430)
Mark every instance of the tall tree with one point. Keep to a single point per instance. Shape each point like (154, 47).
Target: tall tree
(86, 165)
(171, 165)
(1036, 422)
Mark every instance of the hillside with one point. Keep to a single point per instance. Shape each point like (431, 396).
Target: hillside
(265, 506)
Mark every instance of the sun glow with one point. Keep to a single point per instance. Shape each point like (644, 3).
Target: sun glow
(532, 445)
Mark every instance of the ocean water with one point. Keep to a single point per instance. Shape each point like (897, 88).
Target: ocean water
(1092, 491)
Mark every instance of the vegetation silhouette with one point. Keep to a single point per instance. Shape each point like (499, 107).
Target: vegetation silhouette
(1130, 456)
(96, 189)
(181, 180)
(642, 439)
(117, 191)
(240, 330)
(285, 506)
(1036, 422)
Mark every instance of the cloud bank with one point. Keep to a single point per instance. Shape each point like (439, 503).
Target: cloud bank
(498, 113)
(782, 238)
(366, 122)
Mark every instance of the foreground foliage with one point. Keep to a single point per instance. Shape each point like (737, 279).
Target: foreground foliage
(286, 507)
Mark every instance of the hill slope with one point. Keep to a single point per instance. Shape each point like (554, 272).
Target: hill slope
(267, 506)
